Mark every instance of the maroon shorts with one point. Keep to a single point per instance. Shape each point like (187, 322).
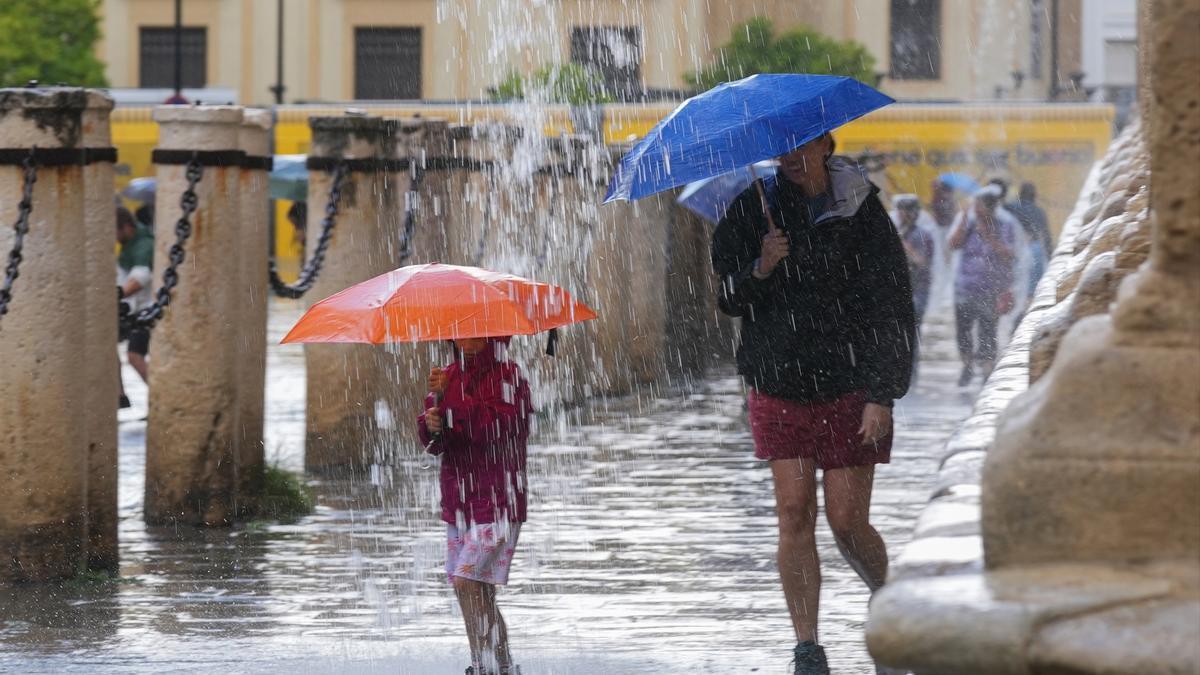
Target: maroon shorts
(826, 432)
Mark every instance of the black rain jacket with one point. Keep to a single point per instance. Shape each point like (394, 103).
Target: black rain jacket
(834, 317)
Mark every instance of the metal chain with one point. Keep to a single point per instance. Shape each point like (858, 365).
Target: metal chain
(410, 215)
(308, 276)
(147, 317)
(20, 228)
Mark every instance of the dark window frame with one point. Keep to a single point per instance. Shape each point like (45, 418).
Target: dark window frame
(907, 21)
(382, 83)
(156, 57)
(621, 83)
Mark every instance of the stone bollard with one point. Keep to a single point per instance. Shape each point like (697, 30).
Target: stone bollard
(252, 295)
(102, 367)
(43, 447)
(192, 433)
(413, 197)
(346, 381)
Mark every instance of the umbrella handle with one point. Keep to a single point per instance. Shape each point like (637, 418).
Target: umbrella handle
(762, 195)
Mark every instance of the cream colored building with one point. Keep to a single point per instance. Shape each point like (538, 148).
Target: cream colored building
(457, 49)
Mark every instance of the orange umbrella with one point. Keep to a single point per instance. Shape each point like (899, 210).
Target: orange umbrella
(438, 302)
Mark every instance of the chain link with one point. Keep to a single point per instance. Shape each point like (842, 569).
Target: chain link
(20, 228)
(312, 269)
(147, 317)
(410, 214)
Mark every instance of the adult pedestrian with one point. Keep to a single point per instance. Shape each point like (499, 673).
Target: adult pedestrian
(817, 273)
(297, 216)
(134, 279)
(1037, 229)
(982, 286)
(942, 203)
(919, 250)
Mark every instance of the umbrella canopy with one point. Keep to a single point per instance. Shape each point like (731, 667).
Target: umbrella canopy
(736, 124)
(289, 178)
(960, 181)
(141, 189)
(710, 198)
(438, 302)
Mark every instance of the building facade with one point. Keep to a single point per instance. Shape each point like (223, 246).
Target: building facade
(336, 50)
(1110, 61)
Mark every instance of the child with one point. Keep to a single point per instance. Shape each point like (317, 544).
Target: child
(477, 419)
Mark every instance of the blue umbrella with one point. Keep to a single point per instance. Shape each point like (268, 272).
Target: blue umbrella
(141, 189)
(960, 181)
(710, 198)
(736, 124)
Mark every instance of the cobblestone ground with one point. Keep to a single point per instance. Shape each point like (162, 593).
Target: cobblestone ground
(650, 548)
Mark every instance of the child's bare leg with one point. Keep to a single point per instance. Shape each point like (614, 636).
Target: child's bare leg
(498, 635)
(470, 601)
(486, 629)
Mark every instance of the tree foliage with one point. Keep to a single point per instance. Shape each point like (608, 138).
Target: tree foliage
(51, 41)
(571, 83)
(754, 48)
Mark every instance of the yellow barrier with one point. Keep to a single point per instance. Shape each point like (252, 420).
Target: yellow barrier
(1051, 145)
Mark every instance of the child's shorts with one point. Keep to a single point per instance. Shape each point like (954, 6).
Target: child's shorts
(484, 552)
(824, 432)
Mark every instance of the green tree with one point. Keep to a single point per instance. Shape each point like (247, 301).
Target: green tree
(50, 41)
(754, 48)
(571, 83)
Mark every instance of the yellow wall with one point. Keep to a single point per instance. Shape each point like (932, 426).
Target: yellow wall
(1053, 146)
(469, 45)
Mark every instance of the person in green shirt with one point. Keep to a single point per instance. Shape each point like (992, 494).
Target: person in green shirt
(134, 279)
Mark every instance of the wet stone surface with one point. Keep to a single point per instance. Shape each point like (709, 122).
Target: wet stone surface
(650, 548)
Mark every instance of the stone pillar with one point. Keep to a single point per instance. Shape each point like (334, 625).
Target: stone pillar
(101, 387)
(413, 213)
(43, 444)
(191, 437)
(345, 381)
(251, 355)
(1100, 460)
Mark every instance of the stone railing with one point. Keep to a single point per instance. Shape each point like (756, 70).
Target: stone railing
(942, 612)
(1089, 490)
(947, 536)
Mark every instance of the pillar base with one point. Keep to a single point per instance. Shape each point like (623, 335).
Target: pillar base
(45, 552)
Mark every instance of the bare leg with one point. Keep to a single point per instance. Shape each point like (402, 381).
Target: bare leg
(138, 361)
(498, 635)
(799, 566)
(120, 380)
(848, 509)
(486, 630)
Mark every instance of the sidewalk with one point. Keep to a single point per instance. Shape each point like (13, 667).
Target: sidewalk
(650, 548)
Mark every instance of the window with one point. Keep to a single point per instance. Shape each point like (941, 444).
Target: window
(387, 63)
(916, 40)
(616, 53)
(156, 49)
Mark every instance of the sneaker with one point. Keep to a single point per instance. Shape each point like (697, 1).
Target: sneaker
(809, 659)
(965, 378)
(124, 403)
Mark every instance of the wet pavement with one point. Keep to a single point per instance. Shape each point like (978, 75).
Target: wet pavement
(650, 548)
